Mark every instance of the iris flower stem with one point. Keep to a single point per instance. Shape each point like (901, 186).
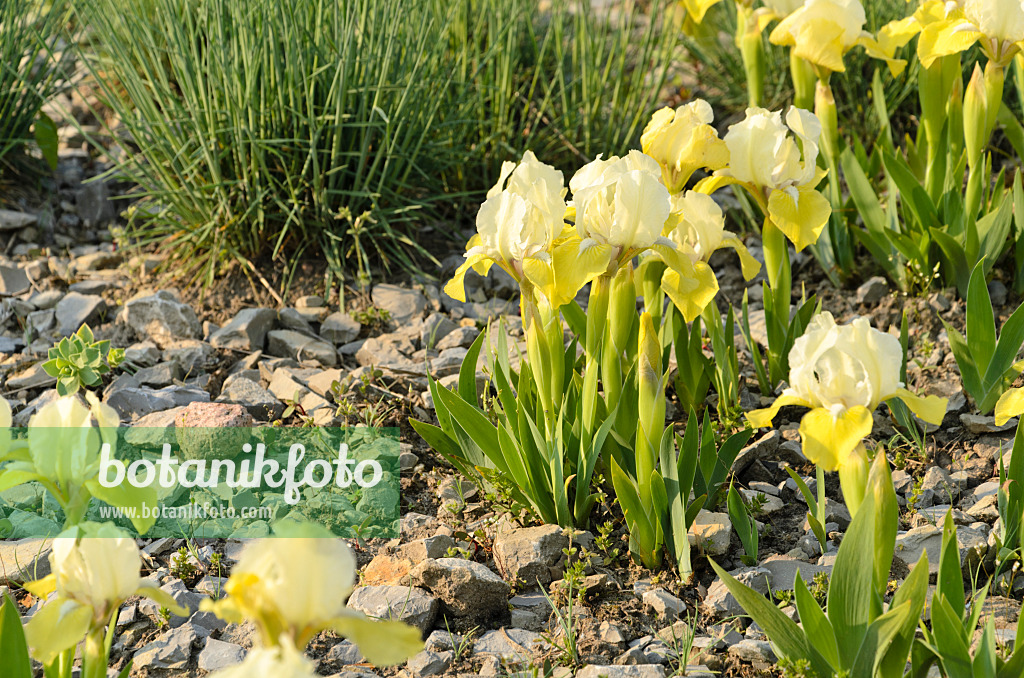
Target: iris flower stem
(752, 51)
(821, 497)
(803, 81)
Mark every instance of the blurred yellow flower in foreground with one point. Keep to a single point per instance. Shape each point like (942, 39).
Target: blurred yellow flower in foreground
(293, 588)
(94, 572)
(1009, 405)
(282, 661)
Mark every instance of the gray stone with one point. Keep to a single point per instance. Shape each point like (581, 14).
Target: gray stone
(448, 362)
(340, 328)
(978, 424)
(258, 401)
(761, 449)
(34, 377)
(346, 652)
(835, 512)
(387, 349)
(997, 293)
(437, 546)
(530, 555)
(47, 299)
(43, 322)
(133, 402)
(292, 319)
(614, 671)
(460, 337)
(403, 305)
(872, 291)
(663, 603)
(181, 595)
(912, 544)
(292, 344)
(193, 355)
(712, 532)
(466, 588)
(219, 655)
(246, 331)
(98, 261)
(429, 663)
(170, 650)
(442, 640)
(513, 645)
(937, 487)
(403, 603)
(753, 651)
(162, 317)
(721, 604)
(13, 281)
(142, 354)
(436, 327)
(162, 374)
(75, 310)
(15, 221)
(24, 559)
(93, 204)
(784, 570)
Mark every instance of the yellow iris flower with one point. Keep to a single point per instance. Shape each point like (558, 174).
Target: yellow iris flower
(768, 162)
(683, 141)
(621, 211)
(92, 576)
(1010, 404)
(953, 27)
(295, 588)
(696, 228)
(823, 31)
(842, 373)
(773, 9)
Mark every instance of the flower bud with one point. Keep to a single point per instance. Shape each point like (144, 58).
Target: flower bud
(975, 117)
(651, 401)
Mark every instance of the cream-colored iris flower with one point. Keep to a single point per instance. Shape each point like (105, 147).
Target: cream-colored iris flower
(697, 225)
(997, 25)
(92, 576)
(521, 228)
(842, 373)
(62, 453)
(621, 211)
(683, 141)
(823, 31)
(293, 588)
(282, 661)
(63, 443)
(521, 218)
(768, 162)
(696, 228)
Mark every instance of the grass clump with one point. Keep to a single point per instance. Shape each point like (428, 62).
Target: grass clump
(30, 73)
(264, 130)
